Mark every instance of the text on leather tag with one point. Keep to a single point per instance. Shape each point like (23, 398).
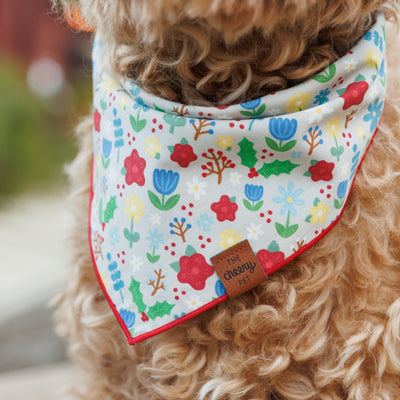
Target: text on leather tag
(238, 269)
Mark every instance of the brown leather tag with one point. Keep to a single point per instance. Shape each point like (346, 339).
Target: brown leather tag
(238, 269)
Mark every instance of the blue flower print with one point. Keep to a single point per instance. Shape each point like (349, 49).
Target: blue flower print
(297, 154)
(253, 192)
(205, 222)
(251, 105)
(114, 235)
(290, 199)
(165, 182)
(322, 97)
(140, 103)
(135, 90)
(128, 317)
(375, 111)
(341, 192)
(176, 316)
(219, 288)
(382, 69)
(342, 188)
(282, 129)
(254, 107)
(155, 238)
(107, 144)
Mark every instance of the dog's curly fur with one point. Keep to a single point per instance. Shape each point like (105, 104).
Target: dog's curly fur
(327, 325)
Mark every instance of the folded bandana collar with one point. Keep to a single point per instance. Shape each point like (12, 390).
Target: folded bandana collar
(173, 185)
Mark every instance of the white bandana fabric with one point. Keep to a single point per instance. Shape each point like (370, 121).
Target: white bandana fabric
(173, 185)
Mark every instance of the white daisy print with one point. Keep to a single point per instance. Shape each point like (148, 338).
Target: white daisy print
(155, 219)
(194, 303)
(350, 65)
(316, 114)
(196, 188)
(136, 263)
(234, 178)
(345, 169)
(254, 231)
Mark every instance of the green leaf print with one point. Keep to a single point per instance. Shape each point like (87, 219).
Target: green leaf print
(154, 200)
(159, 310)
(175, 266)
(171, 202)
(273, 247)
(137, 296)
(110, 208)
(286, 231)
(277, 168)
(327, 75)
(174, 120)
(136, 123)
(247, 153)
(190, 250)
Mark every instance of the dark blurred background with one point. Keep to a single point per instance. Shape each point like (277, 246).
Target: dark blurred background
(45, 87)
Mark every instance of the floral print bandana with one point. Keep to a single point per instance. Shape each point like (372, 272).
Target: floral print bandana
(173, 185)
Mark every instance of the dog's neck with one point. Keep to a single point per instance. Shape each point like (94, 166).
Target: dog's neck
(194, 65)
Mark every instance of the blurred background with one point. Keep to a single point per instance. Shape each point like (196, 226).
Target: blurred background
(45, 87)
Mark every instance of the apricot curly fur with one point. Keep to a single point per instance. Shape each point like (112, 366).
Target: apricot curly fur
(327, 325)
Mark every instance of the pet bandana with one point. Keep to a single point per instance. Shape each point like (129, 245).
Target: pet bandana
(176, 186)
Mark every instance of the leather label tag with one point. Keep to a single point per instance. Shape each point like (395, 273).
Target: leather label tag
(238, 269)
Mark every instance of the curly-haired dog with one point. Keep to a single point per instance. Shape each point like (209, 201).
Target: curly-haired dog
(326, 325)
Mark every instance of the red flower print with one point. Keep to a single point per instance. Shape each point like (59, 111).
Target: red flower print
(354, 94)
(225, 209)
(183, 155)
(194, 270)
(134, 165)
(321, 171)
(269, 260)
(97, 119)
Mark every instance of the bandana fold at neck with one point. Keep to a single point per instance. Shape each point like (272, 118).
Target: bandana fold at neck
(176, 187)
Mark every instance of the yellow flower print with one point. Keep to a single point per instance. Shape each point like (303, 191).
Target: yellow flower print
(319, 213)
(229, 238)
(361, 132)
(104, 280)
(298, 102)
(109, 84)
(224, 142)
(152, 147)
(333, 128)
(134, 207)
(371, 58)
(123, 102)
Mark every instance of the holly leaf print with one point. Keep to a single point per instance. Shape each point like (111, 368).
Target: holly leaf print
(247, 153)
(159, 310)
(101, 211)
(327, 75)
(277, 168)
(110, 208)
(137, 296)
